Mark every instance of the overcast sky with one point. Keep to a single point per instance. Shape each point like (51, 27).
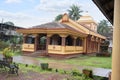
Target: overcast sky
(27, 13)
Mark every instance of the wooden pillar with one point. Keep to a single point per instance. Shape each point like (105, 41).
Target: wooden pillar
(24, 38)
(116, 42)
(63, 36)
(63, 41)
(98, 47)
(47, 43)
(88, 44)
(36, 42)
(74, 41)
(84, 45)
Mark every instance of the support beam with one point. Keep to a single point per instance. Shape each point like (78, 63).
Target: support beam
(36, 42)
(47, 43)
(24, 38)
(63, 41)
(74, 41)
(116, 42)
(84, 45)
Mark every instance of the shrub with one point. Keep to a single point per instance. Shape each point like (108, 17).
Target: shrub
(88, 73)
(75, 73)
(44, 66)
(7, 52)
(3, 44)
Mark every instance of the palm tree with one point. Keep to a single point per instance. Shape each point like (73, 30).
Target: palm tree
(103, 28)
(58, 17)
(74, 12)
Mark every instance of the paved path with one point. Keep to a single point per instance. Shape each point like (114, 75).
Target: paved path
(32, 60)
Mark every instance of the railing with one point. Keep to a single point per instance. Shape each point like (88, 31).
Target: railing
(65, 49)
(28, 47)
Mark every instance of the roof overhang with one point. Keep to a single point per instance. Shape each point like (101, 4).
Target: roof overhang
(107, 8)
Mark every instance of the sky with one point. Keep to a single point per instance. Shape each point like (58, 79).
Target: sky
(28, 13)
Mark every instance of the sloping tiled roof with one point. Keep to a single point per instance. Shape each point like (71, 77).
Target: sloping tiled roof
(56, 25)
(50, 25)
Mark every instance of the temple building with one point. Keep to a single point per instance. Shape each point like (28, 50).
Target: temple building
(63, 38)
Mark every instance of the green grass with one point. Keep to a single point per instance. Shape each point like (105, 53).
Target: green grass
(101, 62)
(34, 68)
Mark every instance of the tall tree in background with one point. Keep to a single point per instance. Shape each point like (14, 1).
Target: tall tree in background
(103, 28)
(9, 23)
(58, 17)
(74, 12)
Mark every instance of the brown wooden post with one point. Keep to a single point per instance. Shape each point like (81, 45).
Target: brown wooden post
(24, 38)
(84, 45)
(47, 42)
(74, 41)
(63, 36)
(88, 44)
(36, 42)
(63, 41)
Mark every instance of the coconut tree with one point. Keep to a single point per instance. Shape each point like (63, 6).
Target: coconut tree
(74, 12)
(58, 17)
(103, 28)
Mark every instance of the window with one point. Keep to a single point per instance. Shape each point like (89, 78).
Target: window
(69, 41)
(30, 40)
(79, 42)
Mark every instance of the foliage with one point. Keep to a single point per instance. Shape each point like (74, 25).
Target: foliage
(33, 68)
(3, 44)
(58, 17)
(44, 66)
(7, 52)
(9, 23)
(103, 28)
(16, 40)
(75, 73)
(74, 12)
(88, 72)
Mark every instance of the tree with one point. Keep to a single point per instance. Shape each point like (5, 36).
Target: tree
(9, 23)
(74, 12)
(103, 28)
(58, 17)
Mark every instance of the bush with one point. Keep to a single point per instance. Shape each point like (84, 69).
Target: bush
(3, 44)
(44, 66)
(88, 73)
(75, 73)
(7, 52)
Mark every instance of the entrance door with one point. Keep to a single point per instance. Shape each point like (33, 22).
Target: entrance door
(42, 42)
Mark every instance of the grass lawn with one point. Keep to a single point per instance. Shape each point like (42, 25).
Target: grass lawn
(101, 62)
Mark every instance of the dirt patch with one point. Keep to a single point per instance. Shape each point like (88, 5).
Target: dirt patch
(31, 75)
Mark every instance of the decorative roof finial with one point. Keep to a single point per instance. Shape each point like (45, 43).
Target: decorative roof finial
(65, 18)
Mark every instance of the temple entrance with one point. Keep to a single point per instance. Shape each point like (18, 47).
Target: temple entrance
(41, 42)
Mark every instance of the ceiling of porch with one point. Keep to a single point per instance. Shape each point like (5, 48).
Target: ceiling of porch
(107, 8)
